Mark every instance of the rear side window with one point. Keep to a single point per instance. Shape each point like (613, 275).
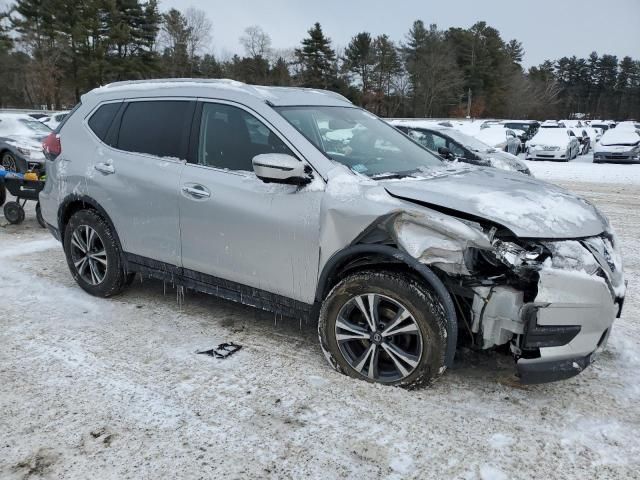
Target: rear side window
(101, 120)
(159, 128)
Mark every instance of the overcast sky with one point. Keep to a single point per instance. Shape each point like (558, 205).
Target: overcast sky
(547, 28)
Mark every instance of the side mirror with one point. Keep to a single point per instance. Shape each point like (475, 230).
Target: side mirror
(281, 168)
(444, 152)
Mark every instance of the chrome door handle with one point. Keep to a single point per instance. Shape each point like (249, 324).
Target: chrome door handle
(197, 191)
(105, 168)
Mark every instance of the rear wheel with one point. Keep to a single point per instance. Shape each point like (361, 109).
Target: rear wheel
(93, 254)
(3, 194)
(385, 328)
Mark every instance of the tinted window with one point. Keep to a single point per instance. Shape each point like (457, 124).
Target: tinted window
(101, 120)
(158, 128)
(231, 137)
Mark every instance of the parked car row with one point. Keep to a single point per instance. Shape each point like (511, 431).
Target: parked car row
(559, 140)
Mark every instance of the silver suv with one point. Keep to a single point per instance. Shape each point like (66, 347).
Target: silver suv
(297, 202)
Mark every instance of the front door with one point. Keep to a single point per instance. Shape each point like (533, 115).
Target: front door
(235, 227)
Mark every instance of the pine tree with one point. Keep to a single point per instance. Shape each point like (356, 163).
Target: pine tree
(359, 59)
(317, 60)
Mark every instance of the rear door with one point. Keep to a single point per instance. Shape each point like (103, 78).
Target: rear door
(136, 172)
(233, 225)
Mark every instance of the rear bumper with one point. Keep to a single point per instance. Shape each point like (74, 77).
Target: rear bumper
(54, 231)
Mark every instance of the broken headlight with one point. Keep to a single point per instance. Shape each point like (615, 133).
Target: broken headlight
(514, 255)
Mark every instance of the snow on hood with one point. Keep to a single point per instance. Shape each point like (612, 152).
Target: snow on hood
(492, 135)
(554, 137)
(622, 136)
(527, 207)
(33, 143)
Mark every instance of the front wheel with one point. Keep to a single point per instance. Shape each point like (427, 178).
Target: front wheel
(385, 328)
(93, 254)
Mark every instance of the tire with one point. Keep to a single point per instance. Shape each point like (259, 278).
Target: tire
(9, 162)
(13, 212)
(93, 275)
(39, 216)
(423, 343)
(3, 194)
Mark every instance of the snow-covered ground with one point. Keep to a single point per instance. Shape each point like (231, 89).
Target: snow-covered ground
(114, 389)
(582, 169)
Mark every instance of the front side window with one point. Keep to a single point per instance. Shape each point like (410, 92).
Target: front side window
(230, 137)
(359, 140)
(158, 127)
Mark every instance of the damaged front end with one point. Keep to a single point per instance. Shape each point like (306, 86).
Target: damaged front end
(530, 267)
(551, 302)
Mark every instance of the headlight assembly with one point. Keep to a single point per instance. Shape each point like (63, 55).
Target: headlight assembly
(24, 151)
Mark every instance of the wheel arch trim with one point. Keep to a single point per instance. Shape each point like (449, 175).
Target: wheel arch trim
(87, 202)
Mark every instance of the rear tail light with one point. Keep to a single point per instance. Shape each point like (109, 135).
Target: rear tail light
(51, 146)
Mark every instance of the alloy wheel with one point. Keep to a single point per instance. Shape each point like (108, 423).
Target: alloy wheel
(9, 163)
(88, 255)
(378, 337)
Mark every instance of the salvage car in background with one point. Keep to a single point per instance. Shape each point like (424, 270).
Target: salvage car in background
(529, 127)
(388, 248)
(54, 120)
(500, 138)
(620, 145)
(553, 143)
(452, 144)
(20, 142)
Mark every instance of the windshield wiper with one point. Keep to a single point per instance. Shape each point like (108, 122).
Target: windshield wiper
(387, 176)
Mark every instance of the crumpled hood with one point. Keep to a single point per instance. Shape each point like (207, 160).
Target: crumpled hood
(528, 207)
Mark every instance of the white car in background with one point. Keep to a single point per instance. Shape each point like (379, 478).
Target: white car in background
(54, 120)
(500, 138)
(553, 144)
(553, 124)
(629, 125)
(620, 145)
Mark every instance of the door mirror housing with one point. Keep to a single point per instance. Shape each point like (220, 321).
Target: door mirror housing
(444, 152)
(281, 168)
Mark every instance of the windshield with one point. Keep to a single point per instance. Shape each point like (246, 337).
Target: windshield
(35, 126)
(359, 140)
(519, 126)
(470, 142)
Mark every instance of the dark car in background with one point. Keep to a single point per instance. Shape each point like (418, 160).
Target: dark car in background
(529, 127)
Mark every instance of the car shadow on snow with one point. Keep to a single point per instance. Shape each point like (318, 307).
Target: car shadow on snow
(245, 325)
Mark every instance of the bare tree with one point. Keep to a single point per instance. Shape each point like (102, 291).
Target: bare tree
(256, 42)
(199, 27)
